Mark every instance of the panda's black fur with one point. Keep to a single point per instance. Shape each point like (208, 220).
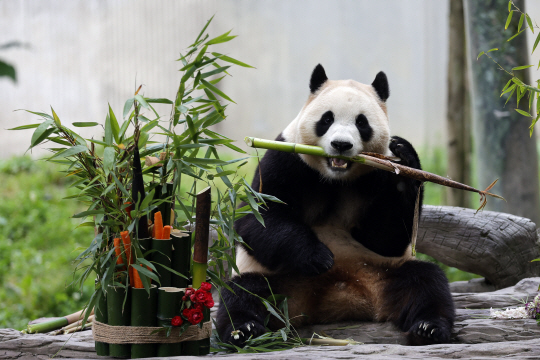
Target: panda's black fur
(386, 284)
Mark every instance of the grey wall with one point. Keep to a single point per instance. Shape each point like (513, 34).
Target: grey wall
(84, 54)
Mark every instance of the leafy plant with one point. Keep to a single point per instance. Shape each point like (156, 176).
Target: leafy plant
(515, 85)
(188, 154)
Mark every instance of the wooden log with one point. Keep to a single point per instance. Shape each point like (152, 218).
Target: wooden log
(495, 245)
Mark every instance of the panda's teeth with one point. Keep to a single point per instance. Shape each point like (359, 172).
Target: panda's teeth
(338, 163)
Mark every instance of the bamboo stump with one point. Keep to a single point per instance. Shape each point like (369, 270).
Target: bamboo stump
(495, 245)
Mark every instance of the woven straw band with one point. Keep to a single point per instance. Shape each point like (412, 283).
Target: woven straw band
(143, 334)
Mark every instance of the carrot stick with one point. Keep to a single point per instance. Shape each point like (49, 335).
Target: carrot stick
(118, 251)
(158, 225)
(137, 283)
(166, 232)
(127, 248)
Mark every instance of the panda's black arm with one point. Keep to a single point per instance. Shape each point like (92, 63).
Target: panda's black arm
(285, 243)
(387, 225)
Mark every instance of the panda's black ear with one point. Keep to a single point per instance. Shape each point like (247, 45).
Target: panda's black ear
(380, 84)
(318, 78)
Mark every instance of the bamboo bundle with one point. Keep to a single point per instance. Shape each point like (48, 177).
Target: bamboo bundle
(54, 324)
(374, 160)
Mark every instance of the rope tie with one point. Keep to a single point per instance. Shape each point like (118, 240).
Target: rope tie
(143, 334)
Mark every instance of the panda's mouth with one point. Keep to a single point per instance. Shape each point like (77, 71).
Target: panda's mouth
(338, 164)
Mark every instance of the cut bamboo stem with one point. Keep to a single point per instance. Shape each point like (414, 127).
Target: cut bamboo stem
(57, 323)
(78, 328)
(202, 230)
(377, 162)
(137, 188)
(181, 257)
(168, 306)
(144, 313)
(102, 349)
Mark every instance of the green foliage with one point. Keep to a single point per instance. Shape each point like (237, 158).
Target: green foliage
(515, 85)
(38, 242)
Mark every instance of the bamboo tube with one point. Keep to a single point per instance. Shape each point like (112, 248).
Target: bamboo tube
(378, 161)
(162, 256)
(204, 344)
(328, 342)
(119, 314)
(144, 313)
(54, 324)
(169, 299)
(181, 257)
(202, 230)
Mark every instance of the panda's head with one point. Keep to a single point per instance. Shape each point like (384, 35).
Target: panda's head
(344, 117)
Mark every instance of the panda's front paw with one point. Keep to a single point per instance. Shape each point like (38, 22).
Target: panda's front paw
(429, 332)
(405, 151)
(241, 334)
(316, 260)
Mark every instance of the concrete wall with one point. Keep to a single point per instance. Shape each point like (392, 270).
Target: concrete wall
(85, 54)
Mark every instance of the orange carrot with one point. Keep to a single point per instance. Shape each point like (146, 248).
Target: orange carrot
(158, 225)
(166, 232)
(127, 248)
(137, 283)
(118, 251)
(129, 209)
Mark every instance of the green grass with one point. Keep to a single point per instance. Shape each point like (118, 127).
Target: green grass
(39, 240)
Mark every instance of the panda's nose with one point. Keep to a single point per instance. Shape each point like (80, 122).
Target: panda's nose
(341, 145)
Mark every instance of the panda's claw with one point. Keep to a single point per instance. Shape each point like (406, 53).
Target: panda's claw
(241, 334)
(429, 332)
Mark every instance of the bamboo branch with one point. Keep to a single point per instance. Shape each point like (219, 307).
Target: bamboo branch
(379, 162)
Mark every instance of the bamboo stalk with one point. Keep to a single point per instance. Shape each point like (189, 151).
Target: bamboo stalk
(181, 257)
(119, 314)
(202, 230)
(379, 162)
(78, 328)
(328, 342)
(54, 324)
(168, 307)
(137, 188)
(102, 349)
(144, 313)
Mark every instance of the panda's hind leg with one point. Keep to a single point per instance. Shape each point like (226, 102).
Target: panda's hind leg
(241, 314)
(417, 299)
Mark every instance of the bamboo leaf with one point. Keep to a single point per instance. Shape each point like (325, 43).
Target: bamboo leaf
(141, 101)
(108, 159)
(231, 60)
(114, 125)
(56, 118)
(159, 101)
(524, 113)
(41, 133)
(522, 67)
(215, 90)
(221, 39)
(120, 186)
(510, 5)
(513, 36)
(108, 131)
(123, 130)
(84, 124)
(529, 22)
(214, 72)
(481, 53)
(204, 28)
(508, 19)
(24, 127)
(521, 18)
(71, 151)
(88, 213)
(490, 50)
(143, 138)
(127, 107)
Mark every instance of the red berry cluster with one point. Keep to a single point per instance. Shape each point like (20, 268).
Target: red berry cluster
(196, 301)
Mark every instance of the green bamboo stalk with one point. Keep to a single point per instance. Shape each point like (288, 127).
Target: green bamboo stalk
(54, 324)
(202, 230)
(119, 314)
(169, 299)
(181, 257)
(162, 257)
(144, 313)
(379, 162)
(102, 349)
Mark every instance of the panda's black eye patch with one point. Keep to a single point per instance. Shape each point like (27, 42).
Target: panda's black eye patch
(362, 124)
(322, 126)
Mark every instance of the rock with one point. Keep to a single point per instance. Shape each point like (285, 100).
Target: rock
(474, 285)
(495, 245)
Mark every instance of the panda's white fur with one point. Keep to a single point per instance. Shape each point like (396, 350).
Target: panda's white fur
(346, 99)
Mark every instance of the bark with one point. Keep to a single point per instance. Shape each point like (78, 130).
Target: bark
(458, 110)
(503, 147)
(498, 246)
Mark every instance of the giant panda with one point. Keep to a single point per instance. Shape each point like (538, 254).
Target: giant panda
(339, 244)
